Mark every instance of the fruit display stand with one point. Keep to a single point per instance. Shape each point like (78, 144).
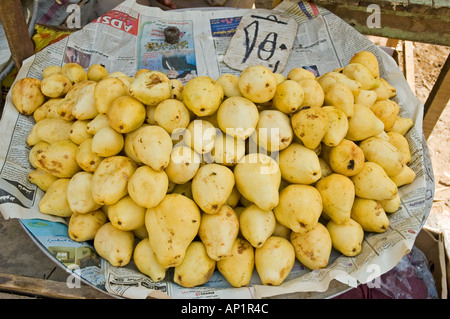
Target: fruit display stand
(382, 252)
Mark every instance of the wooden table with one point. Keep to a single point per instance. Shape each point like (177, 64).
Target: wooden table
(27, 272)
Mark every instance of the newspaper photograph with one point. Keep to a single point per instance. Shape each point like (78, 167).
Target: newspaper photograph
(131, 37)
(177, 59)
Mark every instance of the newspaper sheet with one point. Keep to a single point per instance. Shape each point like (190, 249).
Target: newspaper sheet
(130, 37)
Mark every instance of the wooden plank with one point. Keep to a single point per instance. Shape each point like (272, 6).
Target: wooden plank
(421, 23)
(42, 288)
(4, 295)
(410, 73)
(392, 43)
(16, 31)
(275, 3)
(437, 100)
